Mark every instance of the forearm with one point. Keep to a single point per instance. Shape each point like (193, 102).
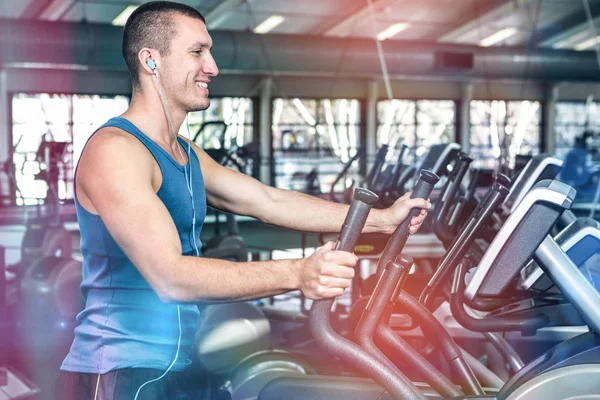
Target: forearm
(302, 212)
(196, 279)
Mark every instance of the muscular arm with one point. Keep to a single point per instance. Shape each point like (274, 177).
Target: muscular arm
(115, 173)
(232, 191)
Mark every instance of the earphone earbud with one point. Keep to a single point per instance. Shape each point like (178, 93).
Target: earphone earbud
(151, 64)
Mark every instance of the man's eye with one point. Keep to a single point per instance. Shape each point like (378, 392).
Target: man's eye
(197, 51)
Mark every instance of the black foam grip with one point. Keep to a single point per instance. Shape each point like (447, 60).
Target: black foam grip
(355, 219)
(396, 243)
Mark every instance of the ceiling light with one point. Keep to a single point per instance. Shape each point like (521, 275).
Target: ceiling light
(269, 24)
(125, 14)
(569, 42)
(391, 31)
(498, 37)
(586, 44)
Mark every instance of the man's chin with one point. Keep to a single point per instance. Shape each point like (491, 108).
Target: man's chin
(200, 106)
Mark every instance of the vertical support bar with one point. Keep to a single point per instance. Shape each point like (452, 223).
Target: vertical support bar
(5, 137)
(362, 161)
(466, 95)
(548, 139)
(415, 136)
(458, 122)
(69, 169)
(256, 163)
(266, 137)
(371, 134)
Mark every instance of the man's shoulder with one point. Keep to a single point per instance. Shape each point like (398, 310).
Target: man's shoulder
(114, 140)
(111, 148)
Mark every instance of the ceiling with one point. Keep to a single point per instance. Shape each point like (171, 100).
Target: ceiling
(532, 23)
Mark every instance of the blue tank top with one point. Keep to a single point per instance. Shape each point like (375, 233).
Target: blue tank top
(124, 323)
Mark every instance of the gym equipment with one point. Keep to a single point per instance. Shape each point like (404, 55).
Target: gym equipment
(347, 192)
(543, 305)
(13, 385)
(448, 211)
(50, 302)
(391, 183)
(45, 236)
(228, 333)
(446, 203)
(203, 135)
(230, 247)
(546, 375)
(390, 378)
(450, 264)
(373, 360)
(373, 177)
(50, 290)
(384, 372)
(402, 350)
(371, 245)
(388, 290)
(544, 205)
(540, 167)
(45, 282)
(12, 188)
(579, 240)
(258, 369)
(500, 195)
(463, 242)
(438, 157)
(387, 182)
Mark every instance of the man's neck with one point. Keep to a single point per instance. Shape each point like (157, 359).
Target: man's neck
(148, 114)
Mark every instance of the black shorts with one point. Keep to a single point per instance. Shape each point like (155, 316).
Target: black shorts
(123, 384)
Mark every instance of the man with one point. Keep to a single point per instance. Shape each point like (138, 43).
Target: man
(576, 171)
(141, 195)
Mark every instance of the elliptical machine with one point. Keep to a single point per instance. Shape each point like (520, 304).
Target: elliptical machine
(45, 236)
(550, 376)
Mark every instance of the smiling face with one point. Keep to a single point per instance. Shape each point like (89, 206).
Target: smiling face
(188, 68)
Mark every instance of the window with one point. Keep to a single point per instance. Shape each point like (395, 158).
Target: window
(227, 125)
(228, 122)
(415, 123)
(501, 130)
(73, 119)
(58, 118)
(312, 140)
(572, 119)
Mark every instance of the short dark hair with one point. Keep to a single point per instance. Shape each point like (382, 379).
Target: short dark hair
(151, 25)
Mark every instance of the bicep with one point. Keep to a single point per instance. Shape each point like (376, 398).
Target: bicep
(121, 191)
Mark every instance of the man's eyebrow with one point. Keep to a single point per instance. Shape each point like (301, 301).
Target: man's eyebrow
(203, 45)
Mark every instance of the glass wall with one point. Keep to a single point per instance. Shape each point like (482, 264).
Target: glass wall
(227, 123)
(572, 120)
(501, 130)
(312, 140)
(415, 123)
(227, 126)
(63, 118)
